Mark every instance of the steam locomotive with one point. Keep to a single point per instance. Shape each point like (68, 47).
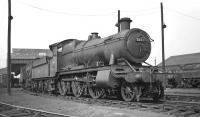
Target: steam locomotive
(99, 67)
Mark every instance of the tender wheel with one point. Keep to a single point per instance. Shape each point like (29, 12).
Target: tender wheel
(62, 88)
(41, 86)
(45, 86)
(68, 87)
(34, 86)
(49, 88)
(96, 92)
(128, 91)
(156, 97)
(77, 88)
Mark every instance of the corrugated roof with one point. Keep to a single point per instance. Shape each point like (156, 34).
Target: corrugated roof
(22, 53)
(182, 59)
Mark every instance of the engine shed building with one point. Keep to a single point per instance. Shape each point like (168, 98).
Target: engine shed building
(185, 66)
(3, 77)
(20, 57)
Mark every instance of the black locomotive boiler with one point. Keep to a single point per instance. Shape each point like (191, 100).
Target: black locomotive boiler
(99, 67)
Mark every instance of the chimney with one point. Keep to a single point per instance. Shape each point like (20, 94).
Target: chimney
(124, 23)
(93, 35)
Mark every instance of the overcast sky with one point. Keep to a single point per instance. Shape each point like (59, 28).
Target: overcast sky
(39, 23)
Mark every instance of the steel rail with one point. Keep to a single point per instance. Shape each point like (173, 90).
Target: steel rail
(36, 110)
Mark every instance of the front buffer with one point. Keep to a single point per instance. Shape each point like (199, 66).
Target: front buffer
(141, 84)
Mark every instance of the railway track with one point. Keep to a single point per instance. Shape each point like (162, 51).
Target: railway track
(173, 108)
(8, 110)
(181, 107)
(183, 98)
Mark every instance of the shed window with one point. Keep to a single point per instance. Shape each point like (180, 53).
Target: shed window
(42, 54)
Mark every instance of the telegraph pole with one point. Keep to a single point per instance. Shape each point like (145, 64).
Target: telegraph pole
(118, 20)
(9, 48)
(163, 26)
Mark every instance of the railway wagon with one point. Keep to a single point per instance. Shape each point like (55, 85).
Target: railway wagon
(185, 76)
(185, 79)
(190, 79)
(101, 66)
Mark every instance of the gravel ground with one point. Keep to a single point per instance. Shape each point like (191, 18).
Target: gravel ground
(20, 98)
